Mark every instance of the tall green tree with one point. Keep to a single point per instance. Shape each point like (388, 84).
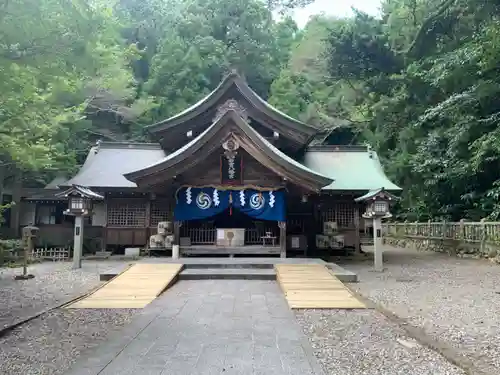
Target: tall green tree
(210, 39)
(62, 64)
(428, 100)
(420, 85)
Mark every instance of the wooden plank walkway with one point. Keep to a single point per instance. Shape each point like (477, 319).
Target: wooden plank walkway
(313, 286)
(133, 289)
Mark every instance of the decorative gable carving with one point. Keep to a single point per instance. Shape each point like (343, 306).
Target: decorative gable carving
(231, 104)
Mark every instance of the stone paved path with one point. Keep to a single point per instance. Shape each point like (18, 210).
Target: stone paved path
(208, 327)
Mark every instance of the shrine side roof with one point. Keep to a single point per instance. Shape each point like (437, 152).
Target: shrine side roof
(108, 162)
(354, 168)
(350, 168)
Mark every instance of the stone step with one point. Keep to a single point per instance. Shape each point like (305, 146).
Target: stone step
(229, 265)
(227, 274)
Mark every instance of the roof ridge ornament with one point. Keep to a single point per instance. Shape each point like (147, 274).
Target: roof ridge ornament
(230, 105)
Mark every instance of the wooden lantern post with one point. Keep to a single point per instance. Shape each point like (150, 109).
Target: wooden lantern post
(80, 201)
(377, 208)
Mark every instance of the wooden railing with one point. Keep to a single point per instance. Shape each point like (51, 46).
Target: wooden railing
(52, 253)
(463, 231)
(207, 236)
(202, 236)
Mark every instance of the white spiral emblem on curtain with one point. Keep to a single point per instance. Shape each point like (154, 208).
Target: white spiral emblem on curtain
(203, 201)
(257, 201)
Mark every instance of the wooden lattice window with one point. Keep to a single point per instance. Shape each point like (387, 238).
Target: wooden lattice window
(297, 224)
(341, 212)
(161, 210)
(126, 213)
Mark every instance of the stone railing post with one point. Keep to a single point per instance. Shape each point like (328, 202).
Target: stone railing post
(482, 239)
(443, 230)
(461, 232)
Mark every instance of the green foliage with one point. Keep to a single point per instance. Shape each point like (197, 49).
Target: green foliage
(9, 250)
(59, 63)
(303, 89)
(421, 85)
(209, 39)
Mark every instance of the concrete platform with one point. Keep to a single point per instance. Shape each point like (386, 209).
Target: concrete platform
(211, 268)
(207, 328)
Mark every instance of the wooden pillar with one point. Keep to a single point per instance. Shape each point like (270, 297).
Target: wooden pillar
(357, 226)
(282, 226)
(176, 251)
(105, 227)
(147, 222)
(177, 232)
(16, 207)
(2, 178)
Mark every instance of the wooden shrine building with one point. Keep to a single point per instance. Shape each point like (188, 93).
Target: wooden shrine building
(233, 174)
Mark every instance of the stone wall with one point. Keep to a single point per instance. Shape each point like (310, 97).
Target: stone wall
(461, 249)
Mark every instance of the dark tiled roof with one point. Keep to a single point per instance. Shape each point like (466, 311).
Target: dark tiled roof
(297, 130)
(281, 163)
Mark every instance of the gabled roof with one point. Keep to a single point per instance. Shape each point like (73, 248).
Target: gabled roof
(250, 140)
(80, 191)
(107, 162)
(354, 168)
(41, 194)
(291, 128)
(372, 194)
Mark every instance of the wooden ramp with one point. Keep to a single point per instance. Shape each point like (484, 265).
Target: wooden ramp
(313, 286)
(132, 289)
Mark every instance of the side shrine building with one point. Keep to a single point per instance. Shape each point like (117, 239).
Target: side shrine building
(231, 174)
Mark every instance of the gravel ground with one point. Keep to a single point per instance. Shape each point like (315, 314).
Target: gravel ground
(50, 344)
(455, 301)
(364, 342)
(54, 283)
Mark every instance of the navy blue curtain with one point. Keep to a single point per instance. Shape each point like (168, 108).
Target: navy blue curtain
(262, 205)
(201, 203)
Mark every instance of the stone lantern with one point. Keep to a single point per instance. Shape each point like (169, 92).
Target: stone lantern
(377, 208)
(80, 201)
(30, 232)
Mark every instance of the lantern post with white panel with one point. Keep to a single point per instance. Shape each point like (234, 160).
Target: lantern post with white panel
(377, 208)
(80, 199)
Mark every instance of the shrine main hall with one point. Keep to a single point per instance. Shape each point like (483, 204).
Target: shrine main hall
(229, 175)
